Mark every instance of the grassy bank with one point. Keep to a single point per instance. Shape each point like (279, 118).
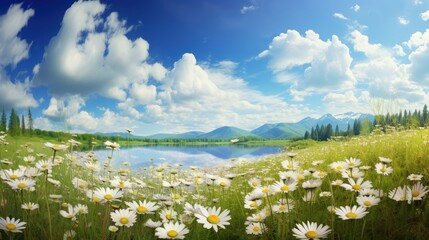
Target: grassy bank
(254, 193)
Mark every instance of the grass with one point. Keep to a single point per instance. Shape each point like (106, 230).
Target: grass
(389, 219)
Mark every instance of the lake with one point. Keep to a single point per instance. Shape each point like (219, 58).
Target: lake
(186, 155)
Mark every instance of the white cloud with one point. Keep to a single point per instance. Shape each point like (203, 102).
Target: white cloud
(326, 64)
(399, 51)
(418, 2)
(13, 49)
(343, 102)
(63, 108)
(425, 15)
(246, 9)
(361, 44)
(340, 16)
(92, 55)
(356, 8)
(418, 39)
(403, 21)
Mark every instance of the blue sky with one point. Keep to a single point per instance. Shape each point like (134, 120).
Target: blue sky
(175, 66)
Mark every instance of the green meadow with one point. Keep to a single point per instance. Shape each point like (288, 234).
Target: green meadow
(346, 189)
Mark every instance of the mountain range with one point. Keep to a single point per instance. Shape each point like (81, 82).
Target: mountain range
(266, 131)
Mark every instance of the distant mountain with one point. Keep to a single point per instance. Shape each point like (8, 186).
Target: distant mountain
(342, 120)
(119, 134)
(186, 135)
(280, 130)
(227, 133)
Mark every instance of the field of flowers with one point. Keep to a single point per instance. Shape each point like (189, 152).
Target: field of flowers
(372, 187)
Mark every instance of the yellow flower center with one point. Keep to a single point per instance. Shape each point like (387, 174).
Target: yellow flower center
(282, 208)
(123, 220)
(176, 196)
(69, 215)
(142, 209)
(321, 174)
(290, 165)
(367, 203)
(172, 233)
(168, 216)
(351, 164)
(416, 193)
(121, 185)
(311, 234)
(13, 176)
(96, 199)
(254, 184)
(213, 219)
(80, 210)
(383, 169)
(10, 226)
(44, 165)
(256, 229)
(299, 177)
(22, 185)
(285, 188)
(258, 219)
(81, 186)
(357, 187)
(253, 204)
(222, 184)
(56, 146)
(265, 190)
(108, 196)
(339, 168)
(351, 215)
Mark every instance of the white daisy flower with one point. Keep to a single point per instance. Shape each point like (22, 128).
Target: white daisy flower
(30, 206)
(213, 218)
(354, 212)
(310, 230)
(367, 201)
(11, 225)
(108, 194)
(144, 207)
(172, 231)
(123, 217)
(255, 228)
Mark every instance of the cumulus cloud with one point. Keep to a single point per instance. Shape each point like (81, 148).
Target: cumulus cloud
(343, 102)
(425, 15)
(13, 49)
(340, 16)
(403, 21)
(62, 108)
(356, 8)
(91, 54)
(326, 63)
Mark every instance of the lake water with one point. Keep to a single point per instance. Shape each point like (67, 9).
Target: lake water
(200, 156)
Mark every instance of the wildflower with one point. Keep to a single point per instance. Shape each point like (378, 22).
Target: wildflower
(81, 209)
(367, 201)
(112, 145)
(170, 184)
(10, 174)
(353, 162)
(80, 184)
(283, 206)
(257, 217)
(22, 184)
(337, 182)
(44, 165)
(256, 194)
(311, 184)
(151, 224)
(70, 234)
(56, 147)
(167, 215)
(252, 204)
(354, 212)
(192, 210)
(255, 228)
(94, 167)
(113, 228)
(290, 165)
(223, 182)
(285, 186)
(325, 194)
(316, 162)
(70, 214)
(30, 206)
(124, 217)
(383, 169)
(352, 173)
(108, 194)
(319, 174)
(415, 177)
(119, 183)
(213, 218)
(400, 193)
(418, 191)
(54, 182)
(142, 207)
(309, 197)
(385, 160)
(172, 231)
(357, 185)
(310, 230)
(11, 225)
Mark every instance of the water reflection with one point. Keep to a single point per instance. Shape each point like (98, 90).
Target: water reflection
(200, 156)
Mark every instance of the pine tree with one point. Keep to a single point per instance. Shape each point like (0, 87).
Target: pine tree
(23, 130)
(306, 135)
(337, 130)
(329, 131)
(30, 122)
(425, 115)
(3, 122)
(14, 128)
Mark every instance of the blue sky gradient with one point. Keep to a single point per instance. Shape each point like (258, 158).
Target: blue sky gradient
(174, 66)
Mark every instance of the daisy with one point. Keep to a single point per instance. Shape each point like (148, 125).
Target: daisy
(357, 185)
(367, 201)
(337, 182)
(108, 194)
(319, 174)
(44, 165)
(400, 193)
(30, 206)
(11, 225)
(10, 174)
(167, 215)
(151, 224)
(310, 231)
(285, 186)
(311, 184)
(223, 182)
(81, 209)
(256, 194)
(80, 184)
(22, 184)
(418, 191)
(192, 210)
(119, 183)
(287, 175)
(172, 231)
(213, 218)
(354, 212)
(70, 214)
(112, 145)
(113, 228)
(371, 192)
(252, 204)
(56, 147)
(142, 207)
(385, 160)
(170, 184)
(383, 169)
(353, 162)
(256, 218)
(415, 177)
(123, 217)
(290, 165)
(283, 206)
(352, 173)
(255, 228)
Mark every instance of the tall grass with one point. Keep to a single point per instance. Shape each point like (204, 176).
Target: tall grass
(389, 219)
